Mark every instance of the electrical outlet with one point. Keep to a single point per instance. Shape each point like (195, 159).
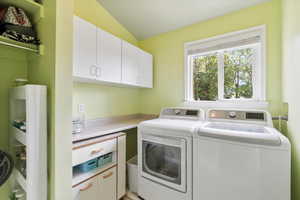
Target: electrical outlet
(81, 108)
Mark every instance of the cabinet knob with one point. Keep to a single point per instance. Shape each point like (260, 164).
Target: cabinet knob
(87, 187)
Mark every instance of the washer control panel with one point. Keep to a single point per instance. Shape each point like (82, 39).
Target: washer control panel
(237, 115)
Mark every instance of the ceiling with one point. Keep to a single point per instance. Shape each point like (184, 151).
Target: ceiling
(146, 18)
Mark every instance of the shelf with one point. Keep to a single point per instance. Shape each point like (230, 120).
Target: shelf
(20, 45)
(19, 135)
(81, 177)
(32, 8)
(29, 103)
(20, 179)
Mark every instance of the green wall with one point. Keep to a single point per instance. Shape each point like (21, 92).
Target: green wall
(168, 52)
(13, 64)
(54, 70)
(291, 88)
(99, 100)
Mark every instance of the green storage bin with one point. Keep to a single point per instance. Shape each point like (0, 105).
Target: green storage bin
(105, 159)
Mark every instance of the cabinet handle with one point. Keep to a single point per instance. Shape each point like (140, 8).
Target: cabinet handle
(87, 187)
(93, 70)
(98, 72)
(97, 151)
(108, 175)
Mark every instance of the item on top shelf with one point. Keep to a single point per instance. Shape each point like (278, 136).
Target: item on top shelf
(105, 159)
(20, 124)
(15, 25)
(6, 166)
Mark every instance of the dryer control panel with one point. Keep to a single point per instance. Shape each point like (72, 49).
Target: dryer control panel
(182, 113)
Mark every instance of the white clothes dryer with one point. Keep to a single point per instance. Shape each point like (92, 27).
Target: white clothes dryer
(165, 154)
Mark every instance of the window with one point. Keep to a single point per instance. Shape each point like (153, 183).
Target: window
(226, 68)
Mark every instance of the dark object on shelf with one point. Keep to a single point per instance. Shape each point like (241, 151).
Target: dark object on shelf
(20, 124)
(21, 161)
(15, 24)
(6, 167)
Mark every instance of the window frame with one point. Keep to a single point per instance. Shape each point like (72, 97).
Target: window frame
(259, 70)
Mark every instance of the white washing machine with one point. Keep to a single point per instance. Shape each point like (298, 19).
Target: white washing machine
(238, 155)
(165, 154)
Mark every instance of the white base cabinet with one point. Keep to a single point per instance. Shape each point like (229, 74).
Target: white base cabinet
(88, 190)
(101, 187)
(108, 185)
(100, 57)
(106, 182)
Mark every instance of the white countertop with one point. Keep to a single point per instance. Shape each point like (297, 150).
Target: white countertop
(112, 125)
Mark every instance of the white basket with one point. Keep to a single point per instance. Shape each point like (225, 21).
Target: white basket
(132, 173)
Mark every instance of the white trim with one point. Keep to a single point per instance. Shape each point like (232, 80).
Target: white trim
(188, 86)
(258, 29)
(259, 83)
(263, 60)
(246, 104)
(221, 72)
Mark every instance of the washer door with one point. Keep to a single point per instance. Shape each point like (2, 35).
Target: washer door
(164, 161)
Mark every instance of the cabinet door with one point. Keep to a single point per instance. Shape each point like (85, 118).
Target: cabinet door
(88, 190)
(130, 63)
(108, 185)
(121, 166)
(145, 77)
(109, 57)
(85, 49)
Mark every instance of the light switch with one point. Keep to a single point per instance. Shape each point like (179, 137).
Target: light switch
(81, 108)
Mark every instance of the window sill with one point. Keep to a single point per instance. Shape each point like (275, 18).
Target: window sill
(241, 104)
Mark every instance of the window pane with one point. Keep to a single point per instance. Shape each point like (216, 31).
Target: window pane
(205, 77)
(238, 73)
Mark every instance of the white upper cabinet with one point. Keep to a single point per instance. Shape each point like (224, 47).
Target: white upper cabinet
(109, 57)
(101, 57)
(145, 77)
(130, 64)
(85, 49)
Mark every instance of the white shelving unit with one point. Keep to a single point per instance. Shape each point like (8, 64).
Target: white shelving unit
(29, 147)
